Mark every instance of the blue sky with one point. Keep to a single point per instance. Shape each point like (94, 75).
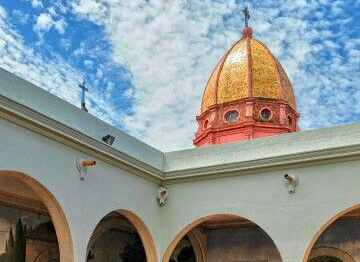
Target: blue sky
(146, 62)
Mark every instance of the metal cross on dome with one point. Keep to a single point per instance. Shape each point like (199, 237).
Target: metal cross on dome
(83, 90)
(247, 16)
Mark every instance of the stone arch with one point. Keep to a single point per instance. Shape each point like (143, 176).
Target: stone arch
(185, 231)
(323, 228)
(57, 215)
(331, 252)
(140, 227)
(198, 248)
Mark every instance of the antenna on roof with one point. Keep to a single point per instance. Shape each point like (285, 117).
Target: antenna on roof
(83, 90)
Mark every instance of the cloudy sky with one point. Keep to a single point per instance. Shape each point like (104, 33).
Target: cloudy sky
(146, 62)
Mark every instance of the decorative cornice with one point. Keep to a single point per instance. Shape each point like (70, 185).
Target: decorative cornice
(39, 123)
(61, 133)
(317, 157)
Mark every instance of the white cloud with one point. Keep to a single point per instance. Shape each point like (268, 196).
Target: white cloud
(55, 75)
(161, 44)
(65, 43)
(3, 13)
(170, 48)
(21, 16)
(45, 21)
(88, 63)
(36, 3)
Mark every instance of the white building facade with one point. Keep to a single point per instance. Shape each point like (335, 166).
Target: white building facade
(42, 137)
(291, 197)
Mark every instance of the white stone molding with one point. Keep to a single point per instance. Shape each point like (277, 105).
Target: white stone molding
(214, 162)
(41, 124)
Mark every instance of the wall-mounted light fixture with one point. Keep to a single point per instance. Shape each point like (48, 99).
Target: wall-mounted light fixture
(162, 195)
(108, 139)
(291, 182)
(82, 164)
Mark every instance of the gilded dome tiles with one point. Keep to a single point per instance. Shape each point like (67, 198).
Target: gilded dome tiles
(230, 79)
(265, 78)
(209, 97)
(232, 83)
(287, 90)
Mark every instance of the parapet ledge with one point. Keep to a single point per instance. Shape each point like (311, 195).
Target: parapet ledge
(20, 99)
(29, 100)
(305, 146)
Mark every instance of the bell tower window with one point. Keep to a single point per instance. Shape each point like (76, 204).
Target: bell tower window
(290, 120)
(265, 114)
(232, 116)
(206, 124)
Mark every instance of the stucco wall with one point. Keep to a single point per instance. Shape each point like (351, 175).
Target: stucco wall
(291, 220)
(105, 189)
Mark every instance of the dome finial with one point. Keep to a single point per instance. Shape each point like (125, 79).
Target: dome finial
(247, 16)
(247, 31)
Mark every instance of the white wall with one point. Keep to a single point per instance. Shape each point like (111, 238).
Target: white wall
(290, 220)
(84, 203)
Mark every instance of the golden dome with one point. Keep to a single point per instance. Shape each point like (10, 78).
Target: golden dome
(247, 70)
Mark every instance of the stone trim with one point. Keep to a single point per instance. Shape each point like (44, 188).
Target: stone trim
(331, 252)
(55, 211)
(185, 231)
(136, 224)
(41, 124)
(323, 228)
